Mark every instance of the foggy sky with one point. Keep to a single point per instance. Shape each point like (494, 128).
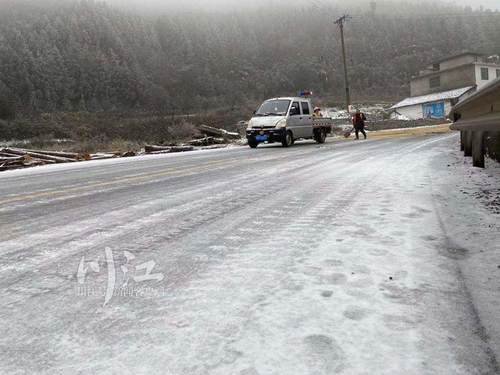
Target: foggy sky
(492, 4)
(222, 5)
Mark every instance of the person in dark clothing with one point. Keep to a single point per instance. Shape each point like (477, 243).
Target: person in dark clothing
(358, 120)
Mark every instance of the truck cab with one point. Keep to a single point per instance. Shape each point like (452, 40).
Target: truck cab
(285, 120)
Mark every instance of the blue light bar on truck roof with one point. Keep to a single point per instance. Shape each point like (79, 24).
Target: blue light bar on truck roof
(305, 93)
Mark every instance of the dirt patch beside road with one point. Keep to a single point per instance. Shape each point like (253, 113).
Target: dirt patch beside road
(411, 132)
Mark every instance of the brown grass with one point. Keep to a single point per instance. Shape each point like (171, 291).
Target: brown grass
(411, 132)
(405, 133)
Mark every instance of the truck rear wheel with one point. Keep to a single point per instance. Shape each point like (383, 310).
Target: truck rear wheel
(320, 136)
(287, 139)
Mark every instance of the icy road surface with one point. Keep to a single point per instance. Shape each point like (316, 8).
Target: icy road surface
(377, 257)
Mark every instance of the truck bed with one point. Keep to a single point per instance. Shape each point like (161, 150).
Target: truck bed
(323, 122)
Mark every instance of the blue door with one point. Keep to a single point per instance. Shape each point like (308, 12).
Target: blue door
(434, 110)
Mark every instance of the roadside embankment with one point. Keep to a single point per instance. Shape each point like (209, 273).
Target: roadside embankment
(411, 132)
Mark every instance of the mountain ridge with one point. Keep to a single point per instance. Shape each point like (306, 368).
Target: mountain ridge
(89, 56)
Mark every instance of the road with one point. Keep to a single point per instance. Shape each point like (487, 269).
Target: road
(309, 260)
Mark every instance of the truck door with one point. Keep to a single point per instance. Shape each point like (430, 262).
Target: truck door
(295, 120)
(307, 122)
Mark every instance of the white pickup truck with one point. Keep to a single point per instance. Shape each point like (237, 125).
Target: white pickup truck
(286, 120)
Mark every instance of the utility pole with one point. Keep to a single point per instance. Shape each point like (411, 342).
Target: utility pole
(340, 22)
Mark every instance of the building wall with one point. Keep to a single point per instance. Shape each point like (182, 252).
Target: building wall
(455, 78)
(492, 73)
(416, 112)
(410, 113)
(462, 76)
(459, 61)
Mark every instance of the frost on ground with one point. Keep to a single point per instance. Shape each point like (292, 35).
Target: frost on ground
(469, 201)
(375, 257)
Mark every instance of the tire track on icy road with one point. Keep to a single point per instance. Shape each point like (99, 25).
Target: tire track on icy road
(46, 242)
(147, 194)
(305, 191)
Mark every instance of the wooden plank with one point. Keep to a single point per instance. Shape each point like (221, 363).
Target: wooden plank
(154, 148)
(69, 155)
(7, 154)
(181, 148)
(207, 141)
(21, 152)
(102, 156)
(10, 167)
(4, 159)
(210, 130)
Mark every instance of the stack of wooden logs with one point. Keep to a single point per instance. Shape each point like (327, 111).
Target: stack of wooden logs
(207, 141)
(153, 149)
(214, 137)
(217, 132)
(14, 158)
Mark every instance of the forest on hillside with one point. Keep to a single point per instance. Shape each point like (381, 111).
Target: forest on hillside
(92, 57)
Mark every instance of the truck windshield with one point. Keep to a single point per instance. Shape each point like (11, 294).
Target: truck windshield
(273, 108)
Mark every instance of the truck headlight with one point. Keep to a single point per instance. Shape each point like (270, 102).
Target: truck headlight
(281, 124)
(250, 125)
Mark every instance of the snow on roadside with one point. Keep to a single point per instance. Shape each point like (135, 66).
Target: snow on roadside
(96, 163)
(473, 228)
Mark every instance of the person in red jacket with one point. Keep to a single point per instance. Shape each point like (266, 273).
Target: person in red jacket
(358, 120)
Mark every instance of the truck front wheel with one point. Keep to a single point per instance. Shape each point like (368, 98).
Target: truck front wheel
(253, 143)
(287, 139)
